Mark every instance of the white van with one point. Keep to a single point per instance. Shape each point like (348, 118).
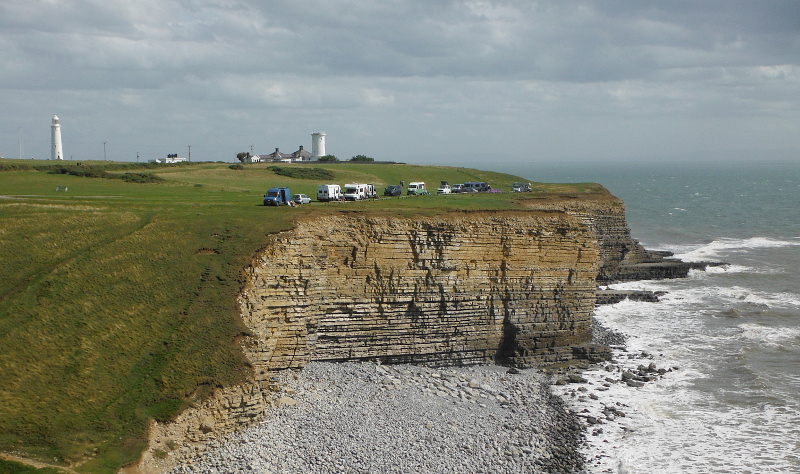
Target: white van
(355, 191)
(329, 192)
(416, 188)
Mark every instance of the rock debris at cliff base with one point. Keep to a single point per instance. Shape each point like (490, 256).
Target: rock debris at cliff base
(363, 417)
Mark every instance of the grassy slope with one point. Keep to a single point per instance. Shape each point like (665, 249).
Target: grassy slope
(118, 300)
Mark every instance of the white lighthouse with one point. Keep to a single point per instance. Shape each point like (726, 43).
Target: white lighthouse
(57, 152)
(318, 144)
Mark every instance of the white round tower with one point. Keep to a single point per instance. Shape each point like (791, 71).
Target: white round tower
(318, 144)
(57, 152)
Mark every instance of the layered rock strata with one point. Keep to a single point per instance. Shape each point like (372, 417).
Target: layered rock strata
(468, 287)
(451, 290)
(622, 258)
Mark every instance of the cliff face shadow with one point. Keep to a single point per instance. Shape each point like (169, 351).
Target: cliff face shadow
(508, 343)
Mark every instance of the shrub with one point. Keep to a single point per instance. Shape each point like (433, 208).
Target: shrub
(138, 177)
(302, 173)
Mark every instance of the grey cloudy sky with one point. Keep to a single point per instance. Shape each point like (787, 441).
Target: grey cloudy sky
(420, 81)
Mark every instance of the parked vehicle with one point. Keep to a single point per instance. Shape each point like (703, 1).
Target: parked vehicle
(457, 188)
(301, 199)
(277, 197)
(329, 192)
(444, 188)
(393, 190)
(370, 191)
(355, 191)
(521, 187)
(417, 188)
(476, 186)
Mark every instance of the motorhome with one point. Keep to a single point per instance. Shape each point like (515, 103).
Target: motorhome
(355, 191)
(416, 188)
(329, 192)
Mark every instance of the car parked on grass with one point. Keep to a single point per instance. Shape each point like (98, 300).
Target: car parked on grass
(521, 187)
(457, 188)
(393, 190)
(301, 199)
(444, 188)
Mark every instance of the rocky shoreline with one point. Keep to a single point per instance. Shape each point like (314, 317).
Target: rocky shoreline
(366, 417)
(596, 393)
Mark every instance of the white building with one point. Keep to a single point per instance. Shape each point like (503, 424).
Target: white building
(318, 144)
(169, 159)
(57, 153)
(301, 155)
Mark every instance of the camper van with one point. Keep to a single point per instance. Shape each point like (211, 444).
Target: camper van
(417, 188)
(329, 192)
(277, 197)
(355, 191)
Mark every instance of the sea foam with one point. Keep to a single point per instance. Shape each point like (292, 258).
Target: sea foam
(712, 250)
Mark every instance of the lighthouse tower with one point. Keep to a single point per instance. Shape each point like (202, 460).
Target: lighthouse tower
(318, 144)
(57, 152)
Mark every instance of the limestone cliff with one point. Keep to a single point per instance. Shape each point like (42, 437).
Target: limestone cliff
(458, 289)
(622, 258)
(466, 287)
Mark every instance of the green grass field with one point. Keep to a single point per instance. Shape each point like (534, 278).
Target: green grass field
(118, 299)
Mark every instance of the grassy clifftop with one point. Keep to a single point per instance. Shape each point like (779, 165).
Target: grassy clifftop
(118, 296)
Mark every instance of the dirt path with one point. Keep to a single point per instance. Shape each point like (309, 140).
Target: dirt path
(34, 463)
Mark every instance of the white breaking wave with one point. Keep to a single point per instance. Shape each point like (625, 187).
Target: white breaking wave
(719, 297)
(737, 294)
(710, 251)
(725, 269)
(774, 336)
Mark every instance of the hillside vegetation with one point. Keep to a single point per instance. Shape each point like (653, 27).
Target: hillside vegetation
(118, 296)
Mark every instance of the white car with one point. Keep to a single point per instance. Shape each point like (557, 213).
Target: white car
(444, 189)
(301, 199)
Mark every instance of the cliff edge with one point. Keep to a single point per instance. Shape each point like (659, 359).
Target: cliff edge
(469, 287)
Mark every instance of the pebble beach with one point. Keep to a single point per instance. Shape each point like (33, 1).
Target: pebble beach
(366, 417)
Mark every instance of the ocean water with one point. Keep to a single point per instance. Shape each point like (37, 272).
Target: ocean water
(731, 334)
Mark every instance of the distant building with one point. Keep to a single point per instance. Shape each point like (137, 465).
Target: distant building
(317, 150)
(57, 153)
(318, 144)
(252, 159)
(169, 159)
(278, 156)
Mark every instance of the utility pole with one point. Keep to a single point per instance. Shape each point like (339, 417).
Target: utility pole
(190, 152)
(104, 151)
(21, 145)
(137, 156)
